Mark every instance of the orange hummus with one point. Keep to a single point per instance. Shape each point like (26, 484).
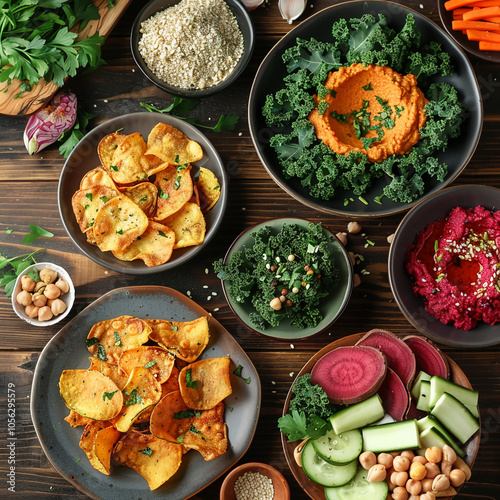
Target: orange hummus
(371, 109)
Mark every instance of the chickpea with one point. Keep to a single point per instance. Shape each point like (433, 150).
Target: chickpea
(433, 470)
(52, 291)
(385, 459)
(39, 287)
(449, 454)
(45, 313)
(428, 496)
(48, 275)
(418, 471)
(376, 473)
(353, 227)
(400, 493)
(342, 238)
(420, 459)
(32, 311)
(440, 483)
(400, 478)
(457, 477)
(409, 454)
(58, 306)
(40, 300)
(401, 463)
(413, 487)
(426, 485)
(434, 454)
(63, 285)
(27, 283)
(24, 298)
(367, 459)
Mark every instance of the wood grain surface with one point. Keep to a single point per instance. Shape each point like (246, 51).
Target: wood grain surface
(28, 195)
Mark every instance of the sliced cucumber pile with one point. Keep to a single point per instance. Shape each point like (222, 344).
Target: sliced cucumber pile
(359, 488)
(339, 449)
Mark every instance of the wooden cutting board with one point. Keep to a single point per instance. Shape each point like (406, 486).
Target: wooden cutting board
(31, 101)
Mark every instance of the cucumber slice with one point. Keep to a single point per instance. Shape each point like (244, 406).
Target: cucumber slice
(430, 421)
(467, 397)
(391, 437)
(455, 417)
(429, 438)
(358, 488)
(386, 419)
(339, 449)
(322, 472)
(424, 396)
(415, 388)
(358, 415)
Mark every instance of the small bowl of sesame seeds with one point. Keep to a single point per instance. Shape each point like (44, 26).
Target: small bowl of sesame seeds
(444, 266)
(192, 48)
(254, 481)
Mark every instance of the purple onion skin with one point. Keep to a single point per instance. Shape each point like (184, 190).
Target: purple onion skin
(47, 125)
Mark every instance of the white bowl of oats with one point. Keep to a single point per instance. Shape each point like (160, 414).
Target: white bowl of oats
(192, 48)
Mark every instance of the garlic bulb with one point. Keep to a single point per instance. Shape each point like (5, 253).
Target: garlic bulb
(291, 9)
(252, 4)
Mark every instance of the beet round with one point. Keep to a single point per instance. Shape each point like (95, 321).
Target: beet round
(395, 397)
(429, 358)
(399, 355)
(350, 374)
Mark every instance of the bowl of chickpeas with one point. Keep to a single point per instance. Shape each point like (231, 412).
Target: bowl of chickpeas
(43, 294)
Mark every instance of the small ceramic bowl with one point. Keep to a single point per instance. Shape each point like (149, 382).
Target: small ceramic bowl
(244, 22)
(430, 210)
(68, 297)
(281, 489)
(331, 306)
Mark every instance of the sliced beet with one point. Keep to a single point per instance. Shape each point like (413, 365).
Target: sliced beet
(350, 374)
(399, 355)
(395, 396)
(428, 357)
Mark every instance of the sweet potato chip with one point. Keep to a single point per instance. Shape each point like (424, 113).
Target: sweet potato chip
(186, 339)
(154, 246)
(171, 417)
(175, 188)
(205, 383)
(114, 372)
(154, 459)
(156, 359)
(126, 166)
(143, 195)
(188, 225)
(172, 146)
(172, 384)
(88, 202)
(107, 147)
(104, 443)
(208, 189)
(91, 394)
(76, 420)
(98, 177)
(108, 339)
(207, 433)
(87, 443)
(118, 223)
(141, 392)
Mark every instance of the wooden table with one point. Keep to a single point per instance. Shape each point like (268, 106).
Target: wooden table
(28, 187)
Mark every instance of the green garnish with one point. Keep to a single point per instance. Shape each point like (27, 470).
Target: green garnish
(118, 342)
(238, 372)
(108, 395)
(150, 364)
(147, 451)
(134, 398)
(189, 381)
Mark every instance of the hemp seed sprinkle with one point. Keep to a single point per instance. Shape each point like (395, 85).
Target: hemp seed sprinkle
(194, 44)
(254, 486)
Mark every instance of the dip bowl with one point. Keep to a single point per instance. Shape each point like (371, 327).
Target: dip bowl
(246, 28)
(412, 306)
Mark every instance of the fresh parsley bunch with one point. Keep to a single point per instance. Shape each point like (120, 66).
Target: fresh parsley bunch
(36, 40)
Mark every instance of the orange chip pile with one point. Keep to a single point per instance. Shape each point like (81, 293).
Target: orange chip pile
(146, 199)
(146, 399)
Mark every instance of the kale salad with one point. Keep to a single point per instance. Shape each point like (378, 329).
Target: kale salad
(366, 40)
(283, 274)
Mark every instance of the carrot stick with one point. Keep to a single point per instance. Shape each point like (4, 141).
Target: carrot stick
(485, 13)
(453, 4)
(460, 12)
(475, 25)
(487, 3)
(487, 36)
(484, 45)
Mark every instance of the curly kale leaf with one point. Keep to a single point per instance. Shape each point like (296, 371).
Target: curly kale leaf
(292, 146)
(312, 55)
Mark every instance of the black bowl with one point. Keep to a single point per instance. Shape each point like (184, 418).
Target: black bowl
(246, 27)
(272, 71)
(430, 210)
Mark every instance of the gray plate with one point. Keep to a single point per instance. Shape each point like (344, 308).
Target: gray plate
(84, 158)
(67, 350)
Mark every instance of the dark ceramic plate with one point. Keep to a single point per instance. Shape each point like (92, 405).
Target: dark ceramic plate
(269, 79)
(67, 350)
(462, 40)
(315, 491)
(246, 27)
(436, 207)
(84, 158)
(331, 307)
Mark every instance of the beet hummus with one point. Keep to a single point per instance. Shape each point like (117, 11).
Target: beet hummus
(455, 266)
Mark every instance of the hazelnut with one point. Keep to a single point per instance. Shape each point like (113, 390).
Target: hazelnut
(27, 283)
(48, 275)
(457, 477)
(376, 473)
(52, 291)
(58, 306)
(434, 454)
(63, 285)
(275, 304)
(32, 311)
(367, 459)
(353, 227)
(401, 463)
(400, 493)
(45, 313)
(440, 483)
(418, 471)
(24, 298)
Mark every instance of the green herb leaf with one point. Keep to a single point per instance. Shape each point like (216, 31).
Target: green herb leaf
(238, 372)
(92, 341)
(134, 398)
(293, 425)
(108, 395)
(147, 451)
(150, 364)
(36, 232)
(101, 353)
(189, 381)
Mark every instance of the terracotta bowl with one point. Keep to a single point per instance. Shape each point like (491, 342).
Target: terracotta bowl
(281, 489)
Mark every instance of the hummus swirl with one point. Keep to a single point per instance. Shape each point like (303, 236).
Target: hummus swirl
(455, 266)
(371, 109)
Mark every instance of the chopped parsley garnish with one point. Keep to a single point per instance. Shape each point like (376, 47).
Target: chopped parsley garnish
(189, 381)
(186, 414)
(163, 195)
(89, 196)
(177, 183)
(238, 372)
(92, 341)
(101, 353)
(104, 199)
(134, 398)
(368, 86)
(108, 395)
(120, 231)
(147, 451)
(176, 159)
(118, 342)
(143, 199)
(161, 233)
(194, 430)
(174, 328)
(341, 118)
(114, 167)
(150, 364)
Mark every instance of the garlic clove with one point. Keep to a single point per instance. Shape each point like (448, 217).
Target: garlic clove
(252, 4)
(291, 9)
